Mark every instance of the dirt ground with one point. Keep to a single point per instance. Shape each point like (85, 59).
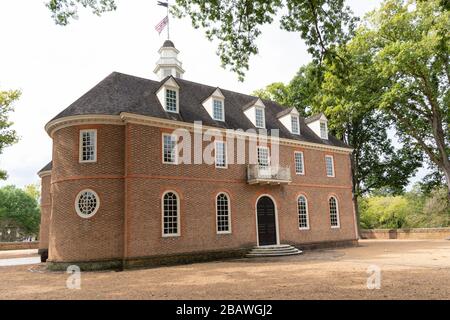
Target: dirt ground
(409, 270)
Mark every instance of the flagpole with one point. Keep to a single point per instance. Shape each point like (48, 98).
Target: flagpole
(168, 22)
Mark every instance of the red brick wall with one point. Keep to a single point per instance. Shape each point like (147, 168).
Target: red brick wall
(130, 180)
(101, 237)
(46, 206)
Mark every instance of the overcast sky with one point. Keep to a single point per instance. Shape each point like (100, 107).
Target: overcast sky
(54, 65)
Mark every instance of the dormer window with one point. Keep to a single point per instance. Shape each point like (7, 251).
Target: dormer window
(290, 119)
(323, 130)
(215, 105)
(218, 113)
(169, 95)
(319, 125)
(259, 118)
(171, 100)
(295, 124)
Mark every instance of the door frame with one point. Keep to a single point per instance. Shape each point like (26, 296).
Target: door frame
(277, 231)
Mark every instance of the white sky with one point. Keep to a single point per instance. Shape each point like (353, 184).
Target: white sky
(53, 65)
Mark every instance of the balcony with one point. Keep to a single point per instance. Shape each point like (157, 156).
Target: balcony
(273, 175)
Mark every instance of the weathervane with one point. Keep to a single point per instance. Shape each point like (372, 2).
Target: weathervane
(164, 22)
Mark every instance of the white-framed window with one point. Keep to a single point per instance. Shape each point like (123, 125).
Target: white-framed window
(169, 143)
(88, 145)
(329, 164)
(303, 217)
(221, 154)
(170, 214)
(171, 101)
(218, 110)
(263, 157)
(323, 130)
(295, 125)
(87, 203)
(260, 120)
(223, 213)
(334, 212)
(299, 163)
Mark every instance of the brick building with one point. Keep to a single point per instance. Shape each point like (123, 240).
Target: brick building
(121, 192)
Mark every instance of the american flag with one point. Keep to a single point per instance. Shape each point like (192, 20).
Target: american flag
(160, 26)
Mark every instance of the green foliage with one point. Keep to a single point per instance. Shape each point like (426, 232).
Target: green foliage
(408, 44)
(20, 208)
(300, 93)
(33, 190)
(65, 10)
(7, 135)
(322, 24)
(414, 209)
(384, 212)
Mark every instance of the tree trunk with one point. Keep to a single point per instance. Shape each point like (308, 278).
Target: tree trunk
(447, 178)
(355, 192)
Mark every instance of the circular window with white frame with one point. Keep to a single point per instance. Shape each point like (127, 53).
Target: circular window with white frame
(87, 203)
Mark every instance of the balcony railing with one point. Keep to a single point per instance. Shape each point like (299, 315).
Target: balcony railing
(257, 174)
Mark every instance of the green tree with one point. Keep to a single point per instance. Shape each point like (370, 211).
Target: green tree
(236, 24)
(7, 135)
(300, 93)
(33, 190)
(409, 45)
(20, 208)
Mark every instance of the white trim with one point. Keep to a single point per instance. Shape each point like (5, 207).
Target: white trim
(324, 122)
(223, 108)
(43, 174)
(303, 163)
(77, 209)
(337, 212)
(80, 146)
(225, 147)
(170, 235)
(298, 124)
(229, 213)
(276, 218)
(126, 117)
(263, 117)
(307, 214)
(177, 99)
(176, 148)
(332, 166)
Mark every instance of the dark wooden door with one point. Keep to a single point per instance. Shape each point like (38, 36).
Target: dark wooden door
(267, 234)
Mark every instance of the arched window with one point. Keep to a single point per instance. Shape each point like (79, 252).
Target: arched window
(171, 214)
(334, 212)
(223, 213)
(303, 219)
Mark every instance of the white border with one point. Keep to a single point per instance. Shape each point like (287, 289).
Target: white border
(303, 163)
(80, 147)
(176, 148)
(169, 235)
(307, 213)
(225, 148)
(332, 166)
(223, 109)
(276, 218)
(264, 117)
(77, 209)
(337, 212)
(229, 214)
(177, 98)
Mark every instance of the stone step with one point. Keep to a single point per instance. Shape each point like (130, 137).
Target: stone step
(273, 251)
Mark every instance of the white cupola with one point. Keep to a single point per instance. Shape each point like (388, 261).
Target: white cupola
(168, 63)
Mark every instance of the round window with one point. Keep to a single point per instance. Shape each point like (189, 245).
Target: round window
(87, 203)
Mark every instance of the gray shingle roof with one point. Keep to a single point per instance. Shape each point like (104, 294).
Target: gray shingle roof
(168, 44)
(48, 167)
(124, 93)
(313, 118)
